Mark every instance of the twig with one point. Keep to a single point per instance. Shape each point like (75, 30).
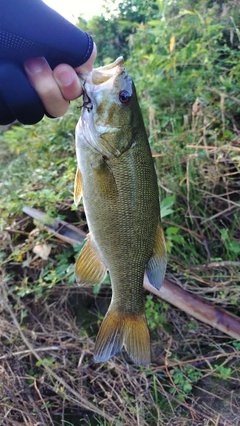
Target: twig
(196, 362)
(212, 89)
(218, 214)
(221, 264)
(197, 307)
(193, 233)
(27, 352)
(221, 148)
(43, 402)
(219, 197)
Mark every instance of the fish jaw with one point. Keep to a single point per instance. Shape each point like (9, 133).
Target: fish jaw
(105, 120)
(106, 72)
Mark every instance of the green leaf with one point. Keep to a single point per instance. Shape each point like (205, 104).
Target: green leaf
(166, 205)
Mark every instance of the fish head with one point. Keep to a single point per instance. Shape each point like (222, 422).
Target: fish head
(109, 109)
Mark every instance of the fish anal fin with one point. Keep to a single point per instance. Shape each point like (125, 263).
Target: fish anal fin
(118, 330)
(77, 187)
(89, 268)
(156, 266)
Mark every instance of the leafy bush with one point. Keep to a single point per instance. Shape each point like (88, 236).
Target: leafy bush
(41, 171)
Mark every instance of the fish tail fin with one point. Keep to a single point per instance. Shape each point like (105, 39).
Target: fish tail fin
(118, 330)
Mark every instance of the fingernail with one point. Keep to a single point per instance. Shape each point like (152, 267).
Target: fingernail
(35, 65)
(64, 77)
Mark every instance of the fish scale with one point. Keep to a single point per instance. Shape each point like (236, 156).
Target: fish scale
(117, 181)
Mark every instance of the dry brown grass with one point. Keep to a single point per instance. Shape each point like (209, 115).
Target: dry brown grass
(48, 376)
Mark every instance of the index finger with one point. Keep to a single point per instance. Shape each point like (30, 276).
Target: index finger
(42, 79)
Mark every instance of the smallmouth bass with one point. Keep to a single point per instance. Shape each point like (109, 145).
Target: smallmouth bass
(117, 180)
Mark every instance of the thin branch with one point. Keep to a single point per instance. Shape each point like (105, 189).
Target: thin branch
(214, 90)
(197, 307)
(28, 352)
(214, 148)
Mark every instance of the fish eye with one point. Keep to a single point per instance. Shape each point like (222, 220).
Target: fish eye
(124, 97)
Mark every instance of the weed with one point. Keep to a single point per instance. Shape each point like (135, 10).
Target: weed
(184, 378)
(223, 372)
(155, 313)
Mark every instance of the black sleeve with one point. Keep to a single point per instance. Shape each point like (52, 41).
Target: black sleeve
(28, 29)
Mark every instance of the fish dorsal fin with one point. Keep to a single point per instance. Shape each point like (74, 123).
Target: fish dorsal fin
(157, 264)
(77, 187)
(89, 268)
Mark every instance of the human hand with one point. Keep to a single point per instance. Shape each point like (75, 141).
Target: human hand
(56, 88)
(40, 53)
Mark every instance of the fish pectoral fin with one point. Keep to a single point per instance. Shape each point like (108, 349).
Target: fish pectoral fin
(118, 330)
(156, 266)
(89, 268)
(77, 187)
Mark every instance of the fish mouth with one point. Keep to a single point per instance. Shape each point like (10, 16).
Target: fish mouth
(101, 90)
(102, 74)
(91, 82)
(108, 67)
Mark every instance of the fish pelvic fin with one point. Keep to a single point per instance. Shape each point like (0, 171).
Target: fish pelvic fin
(156, 266)
(89, 268)
(77, 187)
(120, 330)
